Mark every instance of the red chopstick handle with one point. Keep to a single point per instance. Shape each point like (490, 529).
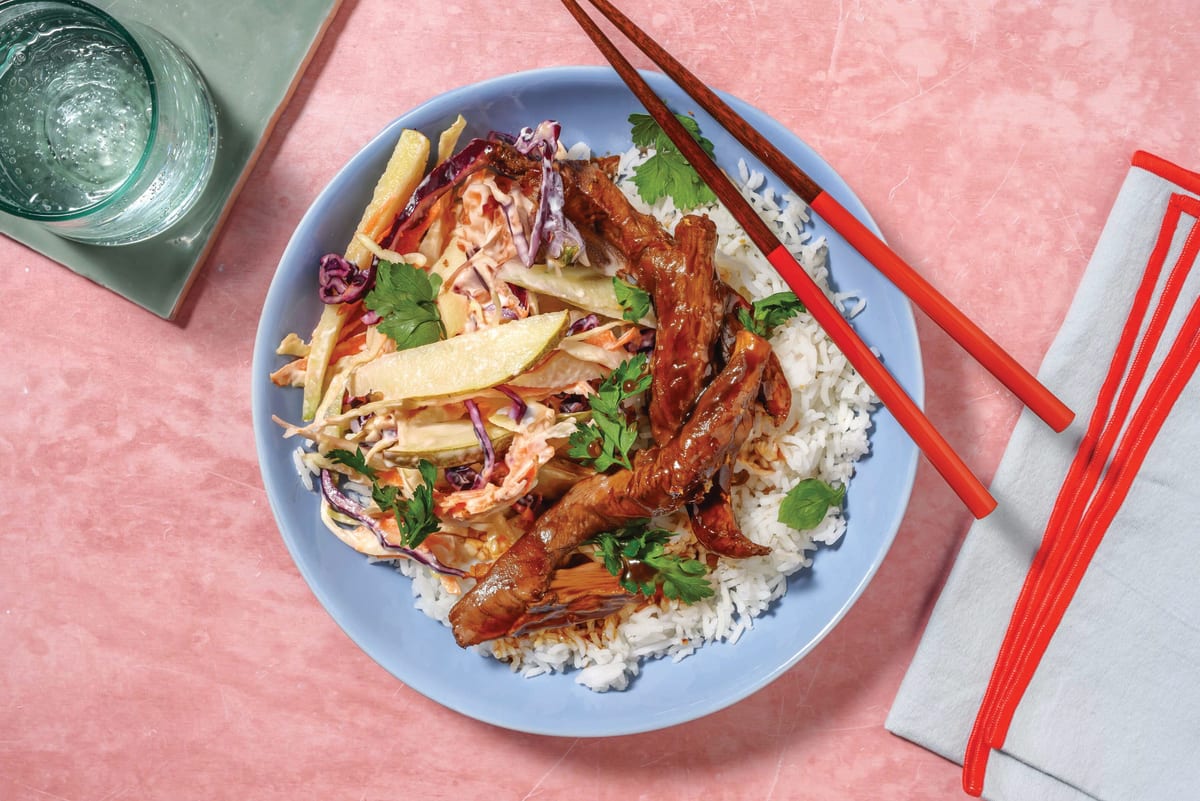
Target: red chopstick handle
(911, 418)
(974, 340)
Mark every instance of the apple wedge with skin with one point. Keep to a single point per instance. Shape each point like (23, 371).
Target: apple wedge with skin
(458, 366)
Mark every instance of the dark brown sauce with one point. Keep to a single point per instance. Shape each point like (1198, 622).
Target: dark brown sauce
(637, 571)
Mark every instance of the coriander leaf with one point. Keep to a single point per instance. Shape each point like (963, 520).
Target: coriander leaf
(609, 547)
(607, 439)
(769, 312)
(645, 131)
(416, 519)
(654, 178)
(355, 461)
(648, 133)
(589, 443)
(667, 173)
(682, 579)
(629, 551)
(405, 298)
(631, 376)
(806, 504)
(580, 443)
(410, 328)
(635, 301)
(384, 495)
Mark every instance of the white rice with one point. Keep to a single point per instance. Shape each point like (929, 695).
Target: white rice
(824, 435)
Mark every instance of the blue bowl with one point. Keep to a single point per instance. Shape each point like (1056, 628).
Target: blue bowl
(373, 603)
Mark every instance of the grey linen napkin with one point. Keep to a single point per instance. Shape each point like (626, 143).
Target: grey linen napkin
(1113, 712)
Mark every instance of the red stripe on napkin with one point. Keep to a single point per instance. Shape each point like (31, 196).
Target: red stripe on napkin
(1164, 169)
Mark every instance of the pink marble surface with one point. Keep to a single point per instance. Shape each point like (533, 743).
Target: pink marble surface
(156, 640)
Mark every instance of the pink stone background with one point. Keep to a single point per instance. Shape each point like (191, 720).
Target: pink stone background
(156, 641)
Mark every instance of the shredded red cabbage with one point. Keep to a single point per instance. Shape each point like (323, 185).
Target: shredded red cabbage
(517, 410)
(585, 323)
(521, 294)
(550, 225)
(571, 403)
(339, 281)
(347, 506)
(476, 155)
(542, 140)
(489, 453)
(526, 252)
(463, 477)
(643, 345)
(531, 501)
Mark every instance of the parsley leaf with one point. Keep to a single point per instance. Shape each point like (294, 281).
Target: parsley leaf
(405, 298)
(634, 300)
(607, 439)
(806, 504)
(414, 516)
(667, 173)
(773, 310)
(636, 554)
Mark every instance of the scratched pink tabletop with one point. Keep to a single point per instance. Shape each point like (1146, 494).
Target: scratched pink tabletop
(156, 640)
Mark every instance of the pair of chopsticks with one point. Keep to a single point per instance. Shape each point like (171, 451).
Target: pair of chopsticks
(943, 458)
(1113, 448)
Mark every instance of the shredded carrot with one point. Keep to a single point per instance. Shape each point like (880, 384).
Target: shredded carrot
(391, 477)
(605, 339)
(348, 347)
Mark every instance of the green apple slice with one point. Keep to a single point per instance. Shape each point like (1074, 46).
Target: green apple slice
(463, 364)
(581, 287)
(445, 443)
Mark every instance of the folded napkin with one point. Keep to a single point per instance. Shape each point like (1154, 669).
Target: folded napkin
(1113, 711)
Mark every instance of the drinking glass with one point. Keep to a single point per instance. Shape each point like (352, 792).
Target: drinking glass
(108, 134)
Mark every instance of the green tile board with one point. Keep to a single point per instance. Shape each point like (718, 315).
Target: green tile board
(251, 53)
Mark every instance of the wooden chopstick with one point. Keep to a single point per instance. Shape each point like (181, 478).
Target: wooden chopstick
(907, 413)
(961, 328)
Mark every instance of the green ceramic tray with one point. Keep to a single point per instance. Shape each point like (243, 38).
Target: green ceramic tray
(229, 43)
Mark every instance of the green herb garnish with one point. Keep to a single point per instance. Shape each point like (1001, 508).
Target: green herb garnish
(667, 173)
(405, 298)
(607, 439)
(773, 310)
(569, 254)
(414, 516)
(355, 461)
(806, 504)
(635, 301)
(636, 555)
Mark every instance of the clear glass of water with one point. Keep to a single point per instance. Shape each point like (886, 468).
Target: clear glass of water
(108, 134)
